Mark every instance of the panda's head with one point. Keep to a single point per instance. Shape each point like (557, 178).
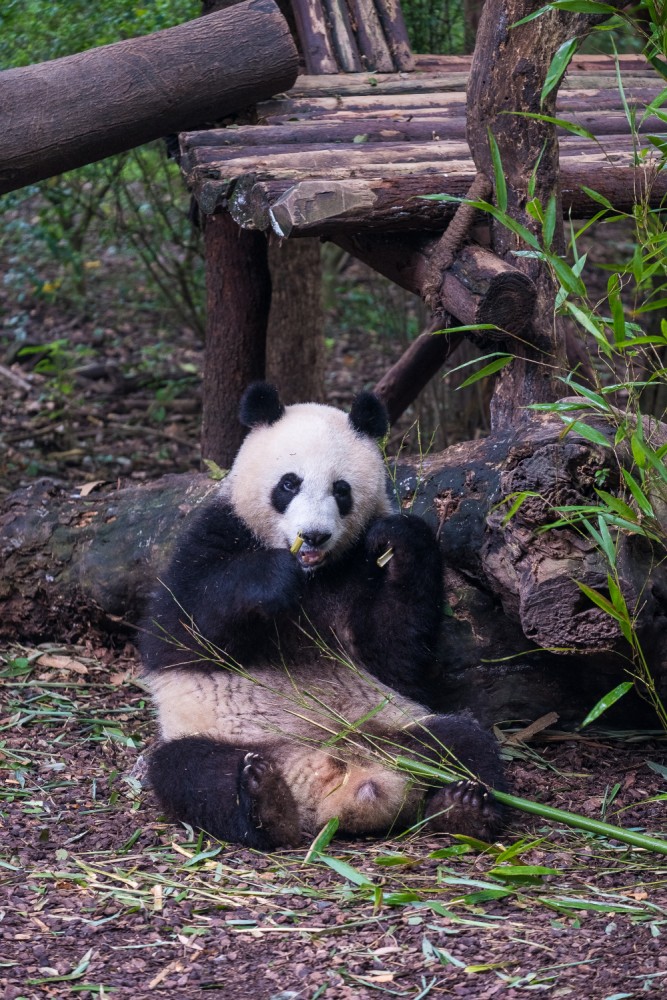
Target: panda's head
(309, 470)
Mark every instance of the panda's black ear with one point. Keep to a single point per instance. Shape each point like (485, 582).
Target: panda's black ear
(369, 416)
(260, 404)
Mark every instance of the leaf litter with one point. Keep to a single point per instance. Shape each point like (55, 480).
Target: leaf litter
(101, 896)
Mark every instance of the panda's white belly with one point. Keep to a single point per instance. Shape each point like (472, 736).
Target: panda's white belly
(320, 700)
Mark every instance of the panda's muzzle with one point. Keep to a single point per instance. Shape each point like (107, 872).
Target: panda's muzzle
(312, 551)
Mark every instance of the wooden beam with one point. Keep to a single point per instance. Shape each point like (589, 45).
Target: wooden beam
(400, 386)
(370, 130)
(238, 299)
(64, 113)
(477, 288)
(394, 199)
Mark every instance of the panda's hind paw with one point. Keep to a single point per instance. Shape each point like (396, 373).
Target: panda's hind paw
(272, 804)
(255, 770)
(465, 807)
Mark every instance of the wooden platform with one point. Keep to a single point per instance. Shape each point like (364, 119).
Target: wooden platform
(343, 151)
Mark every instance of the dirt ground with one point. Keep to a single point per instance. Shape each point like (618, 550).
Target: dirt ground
(100, 896)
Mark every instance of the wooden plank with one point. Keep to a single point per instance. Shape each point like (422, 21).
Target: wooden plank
(633, 62)
(312, 29)
(353, 159)
(302, 133)
(373, 48)
(396, 33)
(395, 201)
(342, 36)
(321, 157)
(373, 104)
(368, 130)
(347, 84)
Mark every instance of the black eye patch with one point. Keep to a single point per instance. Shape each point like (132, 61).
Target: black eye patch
(342, 492)
(284, 491)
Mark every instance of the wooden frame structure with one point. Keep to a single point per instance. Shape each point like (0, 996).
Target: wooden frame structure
(349, 153)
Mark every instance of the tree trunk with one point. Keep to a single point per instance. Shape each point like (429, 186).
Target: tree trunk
(519, 637)
(61, 114)
(295, 338)
(507, 74)
(238, 299)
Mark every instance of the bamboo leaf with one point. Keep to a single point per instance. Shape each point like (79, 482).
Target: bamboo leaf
(599, 198)
(511, 873)
(584, 431)
(616, 306)
(595, 398)
(346, 871)
(559, 64)
(500, 185)
(549, 226)
(567, 276)
(583, 6)
(599, 599)
(518, 501)
(643, 502)
(591, 324)
(323, 838)
(608, 546)
(606, 702)
(560, 123)
(617, 504)
(489, 369)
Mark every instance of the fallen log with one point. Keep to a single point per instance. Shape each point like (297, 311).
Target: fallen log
(519, 637)
(61, 114)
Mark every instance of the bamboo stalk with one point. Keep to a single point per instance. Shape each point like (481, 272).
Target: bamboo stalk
(642, 840)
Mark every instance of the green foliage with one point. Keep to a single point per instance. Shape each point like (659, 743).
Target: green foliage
(617, 410)
(435, 27)
(121, 222)
(36, 30)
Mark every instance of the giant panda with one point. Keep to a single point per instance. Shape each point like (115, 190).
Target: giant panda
(286, 682)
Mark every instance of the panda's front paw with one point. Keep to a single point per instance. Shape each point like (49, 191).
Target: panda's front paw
(281, 585)
(401, 543)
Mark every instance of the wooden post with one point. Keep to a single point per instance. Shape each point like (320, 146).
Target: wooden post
(238, 299)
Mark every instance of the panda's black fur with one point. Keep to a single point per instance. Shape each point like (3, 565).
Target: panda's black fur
(285, 683)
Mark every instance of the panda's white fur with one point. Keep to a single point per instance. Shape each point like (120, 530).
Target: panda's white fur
(296, 712)
(319, 445)
(287, 682)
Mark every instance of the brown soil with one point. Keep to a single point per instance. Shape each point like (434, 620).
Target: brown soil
(101, 897)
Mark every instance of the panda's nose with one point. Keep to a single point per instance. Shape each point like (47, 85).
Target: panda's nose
(316, 539)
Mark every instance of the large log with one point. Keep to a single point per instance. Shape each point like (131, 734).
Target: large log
(519, 637)
(64, 113)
